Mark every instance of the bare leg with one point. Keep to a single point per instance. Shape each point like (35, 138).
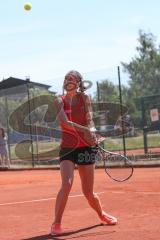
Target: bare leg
(87, 180)
(1, 161)
(86, 173)
(6, 161)
(67, 175)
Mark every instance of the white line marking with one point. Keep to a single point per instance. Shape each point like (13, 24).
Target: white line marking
(152, 193)
(136, 192)
(42, 200)
(119, 192)
(74, 196)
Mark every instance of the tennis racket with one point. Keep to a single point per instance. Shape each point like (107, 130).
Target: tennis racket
(118, 167)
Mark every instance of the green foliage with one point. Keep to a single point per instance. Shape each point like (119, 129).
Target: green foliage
(144, 77)
(108, 91)
(143, 70)
(144, 73)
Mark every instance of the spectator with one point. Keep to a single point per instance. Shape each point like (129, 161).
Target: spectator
(4, 159)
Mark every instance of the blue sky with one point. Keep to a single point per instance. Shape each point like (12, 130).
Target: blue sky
(93, 37)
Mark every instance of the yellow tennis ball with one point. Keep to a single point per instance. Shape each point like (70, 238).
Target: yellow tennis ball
(27, 6)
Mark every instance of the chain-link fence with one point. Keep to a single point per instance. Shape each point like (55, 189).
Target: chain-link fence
(33, 135)
(28, 121)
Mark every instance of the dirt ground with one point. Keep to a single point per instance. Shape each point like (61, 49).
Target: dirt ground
(27, 201)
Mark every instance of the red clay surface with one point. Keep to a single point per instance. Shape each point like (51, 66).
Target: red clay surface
(136, 204)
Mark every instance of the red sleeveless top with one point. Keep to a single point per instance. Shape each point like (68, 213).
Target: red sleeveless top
(75, 111)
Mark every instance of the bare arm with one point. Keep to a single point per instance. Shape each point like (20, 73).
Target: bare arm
(89, 113)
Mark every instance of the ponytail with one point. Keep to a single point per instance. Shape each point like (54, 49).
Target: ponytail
(82, 88)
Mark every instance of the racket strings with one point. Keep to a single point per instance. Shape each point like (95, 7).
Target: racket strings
(117, 167)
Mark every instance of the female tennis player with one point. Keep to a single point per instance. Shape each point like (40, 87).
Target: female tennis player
(78, 146)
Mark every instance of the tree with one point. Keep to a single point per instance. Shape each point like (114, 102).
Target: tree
(144, 73)
(108, 91)
(143, 70)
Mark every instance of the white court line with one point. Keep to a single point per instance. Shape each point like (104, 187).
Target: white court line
(42, 200)
(74, 196)
(148, 193)
(136, 192)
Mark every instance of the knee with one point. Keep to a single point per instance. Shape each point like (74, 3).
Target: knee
(90, 196)
(66, 187)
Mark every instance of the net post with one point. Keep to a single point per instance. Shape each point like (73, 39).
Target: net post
(29, 111)
(121, 109)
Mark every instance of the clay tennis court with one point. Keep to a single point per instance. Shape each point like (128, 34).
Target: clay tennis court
(27, 201)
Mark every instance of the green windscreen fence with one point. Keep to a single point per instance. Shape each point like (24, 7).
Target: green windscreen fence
(32, 132)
